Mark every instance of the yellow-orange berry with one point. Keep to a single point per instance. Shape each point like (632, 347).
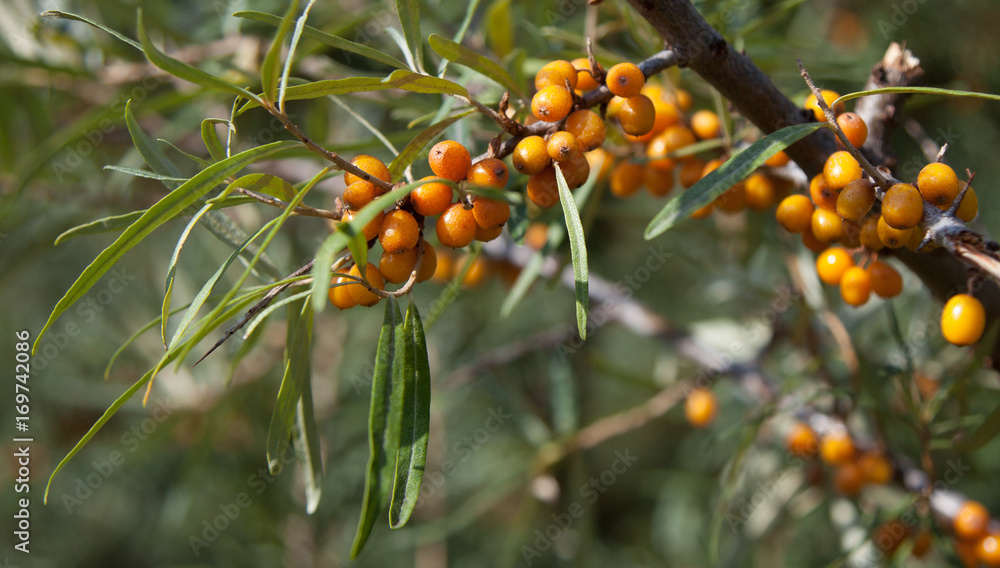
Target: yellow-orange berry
(659, 182)
(963, 319)
(938, 184)
(449, 160)
(733, 200)
(359, 194)
(856, 200)
(890, 237)
(490, 212)
(431, 198)
(795, 213)
(667, 115)
(841, 169)
(691, 171)
(399, 232)
(700, 407)
(705, 124)
(831, 265)
(637, 115)
(372, 229)
(855, 286)
(476, 274)
(683, 100)
(625, 80)
(656, 152)
(557, 73)
(428, 262)
(761, 191)
(828, 97)
(371, 166)
(801, 441)
(703, 212)
(885, 280)
(552, 103)
(456, 227)
(988, 550)
(487, 234)
(626, 178)
(778, 160)
(542, 188)
(971, 521)
(854, 128)
(396, 268)
(822, 194)
(827, 226)
(444, 269)
(588, 128)
(869, 234)
(614, 107)
(969, 208)
(576, 170)
(837, 448)
(676, 137)
(602, 160)
(562, 146)
(339, 295)
(876, 467)
(489, 172)
(810, 241)
(584, 80)
(359, 292)
(530, 155)
(902, 206)
(536, 235)
(849, 479)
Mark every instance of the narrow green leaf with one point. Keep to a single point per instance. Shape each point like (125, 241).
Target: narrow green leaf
(462, 55)
(359, 249)
(297, 368)
(411, 458)
(409, 19)
(215, 147)
(986, 432)
(383, 441)
(419, 83)
(578, 252)
(413, 149)
(307, 448)
(328, 87)
(167, 208)
(268, 184)
(202, 162)
(57, 14)
(917, 91)
(470, 12)
(107, 224)
(269, 75)
(290, 59)
(328, 39)
(735, 169)
(499, 29)
(146, 174)
(183, 70)
(148, 149)
(172, 270)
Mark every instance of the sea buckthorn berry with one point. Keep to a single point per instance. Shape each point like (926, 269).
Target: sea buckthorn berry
(778, 160)
(359, 292)
(654, 91)
(869, 234)
(490, 212)
(552, 103)
(490, 172)
(761, 191)
(588, 128)
(625, 80)
(584, 80)
(856, 200)
(576, 170)
(969, 208)
(801, 441)
(831, 265)
(921, 544)
(656, 152)
(449, 160)
(530, 155)
(487, 234)
(917, 235)
(339, 295)
(614, 107)
(536, 235)
(562, 146)
(889, 536)
(837, 448)
(827, 226)
(602, 160)
(810, 241)
(902, 206)
(971, 521)
(371, 166)
(705, 124)
(938, 184)
(988, 550)
(700, 408)
(963, 319)
(372, 229)
(445, 266)
(542, 188)
(431, 198)
(557, 73)
(691, 172)
(733, 200)
(876, 468)
(658, 182)
(854, 128)
(637, 115)
(795, 213)
(851, 238)
(667, 115)
(456, 227)
(829, 97)
(855, 286)
(359, 194)
(399, 232)
(428, 262)
(822, 194)
(841, 169)
(703, 212)
(626, 178)
(396, 268)
(683, 100)
(885, 280)
(849, 479)
(890, 237)
(478, 270)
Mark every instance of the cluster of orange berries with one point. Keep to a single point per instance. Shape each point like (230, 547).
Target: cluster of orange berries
(854, 469)
(976, 540)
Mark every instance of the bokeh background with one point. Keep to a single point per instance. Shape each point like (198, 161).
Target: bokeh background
(157, 476)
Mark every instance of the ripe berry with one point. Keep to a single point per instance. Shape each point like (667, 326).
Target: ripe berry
(428, 262)
(700, 408)
(795, 213)
(552, 103)
(557, 73)
(588, 128)
(359, 292)
(339, 295)
(667, 115)
(854, 128)
(831, 265)
(802, 442)
(822, 194)
(988, 550)
(487, 234)
(691, 171)
(562, 146)
(875, 467)
(856, 199)
(683, 100)
(890, 237)
(576, 170)
(869, 234)
(656, 152)
(971, 520)
(371, 166)
(637, 115)
(841, 169)
(761, 191)
(614, 107)
(902, 206)
(849, 479)
(810, 241)
(625, 80)
(445, 267)
(450, 160)
(431, 198)
(536, 235)
(626, 178)
(542, 188)
(372, 229)
(490, 212)
(584, 80)
(885, 280)
(531, 155)
(396, 268)
(602, 160)
(676, 137)
(659, 182)
(969, 207)
(476, 274)
(827, 226)
(837, 448)
(733, 200)
(938, 184)
(705, 124)
(359, 194)
(456, 227)
(703, 212)
(855, 286)
(829, 97)
(489, 172)
(399, 232)
(778, 160)
(963, 320)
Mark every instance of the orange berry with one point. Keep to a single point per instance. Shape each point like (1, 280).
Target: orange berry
(562, 146)
(963, 319)
(700, 407)
(967, 551)
(476, 274)
(428, 262)
(827, 226)
(683, 100)
(659, 182)
(938, 184)
(969, 207)
(637, 115)
(656, 152)
(557, 73)
(449, 160)
(988, 550)
(531, 155)
(691, 171)
(854, 128)
(576, 170)
(396, 268)
(810, 241)
(371, 166)
(890, 237)
(626, 178)
(372, 229)
(921, 544)
(667, 115)
(876, 468)
(705, 124)
(855, 286)
(902, 206)
(841, 169)
(588, 128)
(832, 263)
(625, 80)
(584, 80)
(869, 234)
(490, 212)
(536, 235)
(971, 521)
(602, 160)
(802, 442)
(837, 448)
(552, 103)
(456, 227)
(399, 232)
(359, 292)
(487, 234)
(339, 295)
(431, 198)
(885, 280)
(542, 188)
(359, 194)
(733, 200)
(822, 194)
(795, 213)
(614, 107)
(444, 268)
(778, 160)
(761, 191)
(489, 172)
(849, 479)
(856, 200)
(829, 97)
